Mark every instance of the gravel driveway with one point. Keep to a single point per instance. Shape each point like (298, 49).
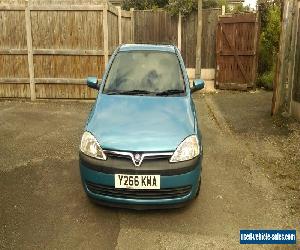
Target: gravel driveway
(249, 180)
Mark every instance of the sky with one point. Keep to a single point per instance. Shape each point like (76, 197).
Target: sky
(251, 2)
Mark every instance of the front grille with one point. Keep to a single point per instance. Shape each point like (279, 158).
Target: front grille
(164, 193)
(146, 156)
(152, 157)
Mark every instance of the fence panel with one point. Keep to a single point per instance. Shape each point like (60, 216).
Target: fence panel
(189, 38)
(113, 30)
(236, 51)
(155, 27)
(126, 28)
(66, 44)
(60, 40)
(209, 33)
(14, 76)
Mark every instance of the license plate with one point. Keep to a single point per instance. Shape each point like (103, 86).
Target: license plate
(137, 181)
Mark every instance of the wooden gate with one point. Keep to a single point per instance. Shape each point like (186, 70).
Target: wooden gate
(237, 37)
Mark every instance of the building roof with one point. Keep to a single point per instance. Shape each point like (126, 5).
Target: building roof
(136, 47)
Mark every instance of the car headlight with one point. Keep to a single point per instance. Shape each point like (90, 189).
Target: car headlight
(91, 147)
(188, 149)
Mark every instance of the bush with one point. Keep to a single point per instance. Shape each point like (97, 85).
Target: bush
(268, 43)
(182, 6)
(144, 4)
(207, 4)
(271, 34)
(240, 8)
(266, 80)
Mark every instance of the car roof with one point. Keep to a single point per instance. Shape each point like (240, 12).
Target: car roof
(152, 47)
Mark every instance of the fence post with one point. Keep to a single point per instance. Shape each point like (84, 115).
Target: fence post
(105, 33)
(120, 23)
(255, 46)
(280, 91)
(179, 31)
(29, 51)
(132, 25)
(199, 41)
(223, 10)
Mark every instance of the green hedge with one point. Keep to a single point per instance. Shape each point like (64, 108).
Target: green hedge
(268, 43)
(266, 80)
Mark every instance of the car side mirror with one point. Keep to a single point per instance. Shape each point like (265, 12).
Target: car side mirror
(92, 82)
(197, 85)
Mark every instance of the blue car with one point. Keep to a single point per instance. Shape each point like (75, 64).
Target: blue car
(141, 147)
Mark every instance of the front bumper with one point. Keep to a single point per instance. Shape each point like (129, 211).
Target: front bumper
(181, 187)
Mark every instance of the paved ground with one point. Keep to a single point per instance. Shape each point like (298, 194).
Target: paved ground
(250, 180)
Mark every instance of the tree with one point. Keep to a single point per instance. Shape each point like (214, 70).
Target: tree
(207, 4)
(270, 17)
(182, 6)
(144, 4)
(264, 6)
(187, 6)
(174, 6)
(271, 32)
(240, 8)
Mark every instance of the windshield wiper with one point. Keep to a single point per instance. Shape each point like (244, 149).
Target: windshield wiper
(170, 92)
(145, 92)
(112, 92)
(136, 92)
(129, 92)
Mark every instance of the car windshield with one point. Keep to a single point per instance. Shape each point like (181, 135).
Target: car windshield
(145, 73)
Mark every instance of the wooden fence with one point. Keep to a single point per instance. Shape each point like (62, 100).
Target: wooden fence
(237, 38)
(189, 38)
(155, 27)
(47, 49)
(161, 28)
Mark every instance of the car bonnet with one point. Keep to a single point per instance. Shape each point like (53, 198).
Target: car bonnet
(141, 123)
